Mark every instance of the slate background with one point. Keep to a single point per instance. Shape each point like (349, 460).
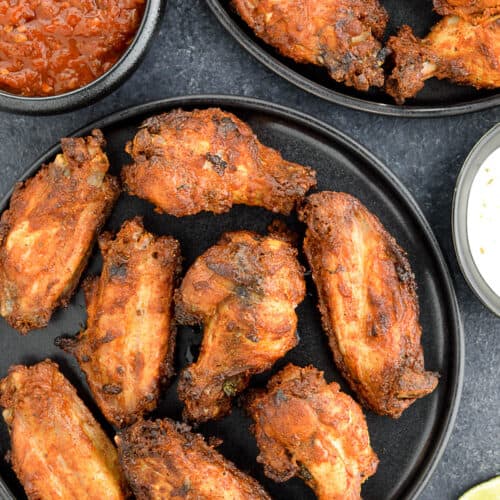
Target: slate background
(192, 54)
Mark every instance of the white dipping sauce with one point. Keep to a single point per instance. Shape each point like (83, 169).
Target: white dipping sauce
(483, 220)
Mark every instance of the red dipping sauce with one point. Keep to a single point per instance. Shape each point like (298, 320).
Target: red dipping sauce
(50, 47)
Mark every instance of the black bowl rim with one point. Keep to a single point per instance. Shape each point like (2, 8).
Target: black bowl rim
(458, 349)
(99, 87)
(268, 60)
(482, 149)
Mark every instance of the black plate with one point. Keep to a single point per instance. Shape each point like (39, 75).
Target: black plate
(438, 98)
(409, 448)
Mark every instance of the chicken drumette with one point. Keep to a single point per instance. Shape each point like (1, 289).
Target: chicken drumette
(47, 233)
(127, 349)
(468, 54)
(58, 449)
(472, 10)
(186, 162)
(341, 35)
(163, 459)
(244, 290)
(368, 302)
(305, 427)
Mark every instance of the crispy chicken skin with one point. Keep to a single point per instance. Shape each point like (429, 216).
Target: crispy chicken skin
(471, 10)
(308, 428)
(467, 54)
(368, 302)
(58, 450)
(244, 290)
(186, 162)
(163, 459)
(47, 234)
(341, 35)
(127, 349)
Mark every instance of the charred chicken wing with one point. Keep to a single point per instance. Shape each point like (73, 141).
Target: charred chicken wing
(58, 450)
(244, 290)
(468, 54)
(188, 162)
(47, 234)
(128, 345)
(368, 302)
(341, 35)
(472, 10)
(308, 428)
(163, 459)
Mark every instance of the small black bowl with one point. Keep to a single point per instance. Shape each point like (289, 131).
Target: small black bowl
(99, 87)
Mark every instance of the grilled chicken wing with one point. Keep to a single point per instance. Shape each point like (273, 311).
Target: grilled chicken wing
(471, 10)
(187, 162)
(468, 54)
(341, 35)
(244, 290)
(47, 234)
(163, 459)
(308, 428)
(58, 450)
(128, 346)
(368, 302)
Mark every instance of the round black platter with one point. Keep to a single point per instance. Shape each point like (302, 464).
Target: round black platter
(409, 448)
(438, 98)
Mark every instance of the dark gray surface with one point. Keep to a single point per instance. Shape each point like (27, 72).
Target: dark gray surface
(192, 54)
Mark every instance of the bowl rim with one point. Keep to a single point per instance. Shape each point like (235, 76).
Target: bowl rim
(488, 143)
(99, 87)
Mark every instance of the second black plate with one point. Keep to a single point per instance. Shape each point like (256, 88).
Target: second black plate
(438, 98)
(408, 448)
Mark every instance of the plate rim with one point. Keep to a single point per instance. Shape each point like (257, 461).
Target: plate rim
(425, 469)
(333, 96)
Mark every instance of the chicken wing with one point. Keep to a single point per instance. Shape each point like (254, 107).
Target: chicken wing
(471, 10)
(368, 302)
(188, 162)
(127, 348)
(341, 35)
(467, 54)
(47, 234)
(308, 428)
(58, 450)
(163, 459)
(244, 290)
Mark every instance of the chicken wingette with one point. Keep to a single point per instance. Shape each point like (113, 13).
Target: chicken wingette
(244, 290)
(368, 302)
(467, 54)
(307, 428)
(186, 162)
(58, 450)
(341, 35)
(47, 234)
(127, 348)
(163, 459)
(471, 10)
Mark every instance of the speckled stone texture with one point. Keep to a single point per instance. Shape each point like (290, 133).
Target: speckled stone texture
(192, 54)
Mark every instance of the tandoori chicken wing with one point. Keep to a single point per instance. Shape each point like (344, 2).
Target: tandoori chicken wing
(244, 290)
(58, 449)
(47, 234)
(186, 162)
(467, 54)
(127, 349)
(368, 302)
(308, 428)
(163, 459)
(471, 10)
(341, 35)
